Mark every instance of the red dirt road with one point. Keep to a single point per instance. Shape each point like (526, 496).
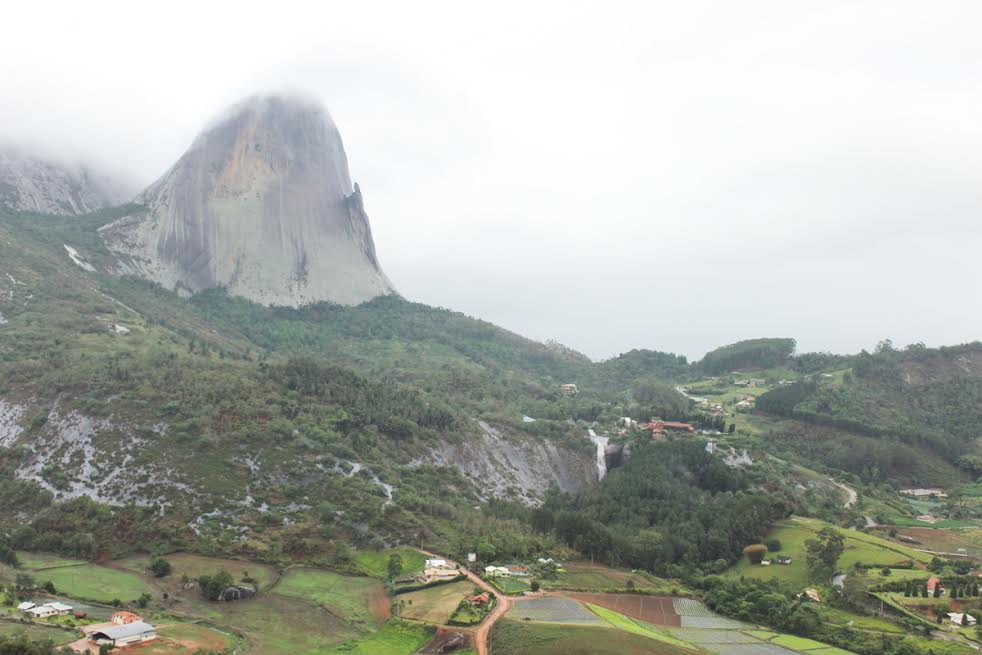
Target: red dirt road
(483, 633)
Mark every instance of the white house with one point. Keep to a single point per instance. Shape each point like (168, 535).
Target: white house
(497, 571)
(961, 619)
(26, 605)
(765, 562)
(436, 563)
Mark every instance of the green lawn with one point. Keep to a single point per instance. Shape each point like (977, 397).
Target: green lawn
(35, 561)
(797, 643)
(195, 566)
(859, 548)
(435, 604)
(94, 582)
(511, 585)
(394, 638)
(357, 600)
(376, 562)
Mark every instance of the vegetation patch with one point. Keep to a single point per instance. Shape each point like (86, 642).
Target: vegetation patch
(553, 609)
(357, 600)
(515, 637)
(433, 605)
(394, 638)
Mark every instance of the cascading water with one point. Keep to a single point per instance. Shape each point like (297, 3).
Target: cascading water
(601, 442)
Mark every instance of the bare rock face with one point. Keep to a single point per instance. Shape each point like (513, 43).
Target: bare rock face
(32, 184)
(261, 204)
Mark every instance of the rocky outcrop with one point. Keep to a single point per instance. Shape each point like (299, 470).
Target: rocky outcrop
(33, 184)
(515, 466)
(261, 204)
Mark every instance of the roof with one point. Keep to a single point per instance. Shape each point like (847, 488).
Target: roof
(127, 616)
(932, 581)
(26, 605)
(128, 630)
(61, 607)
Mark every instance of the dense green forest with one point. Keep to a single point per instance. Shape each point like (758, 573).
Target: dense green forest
(750, 354)
(671, 508)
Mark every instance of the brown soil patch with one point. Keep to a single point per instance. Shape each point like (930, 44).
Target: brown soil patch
(446, 640)
(380, 603)
(653, 609)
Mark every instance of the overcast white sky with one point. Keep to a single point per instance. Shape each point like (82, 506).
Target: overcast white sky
(667, 175)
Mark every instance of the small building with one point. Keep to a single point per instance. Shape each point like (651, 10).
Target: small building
(959, 618)
(744, 405)
(765, 562)
(435, 564)
(569, 389)
(42, 612)
(929, 492)
(784, 560)
(517, 570)
(26, 605)
(496, 572)
(659, 427)
(124, 635)
(811, 594)
(480, 599)
(471, 557)
(934, 583)
(237, 592)
(123, 617)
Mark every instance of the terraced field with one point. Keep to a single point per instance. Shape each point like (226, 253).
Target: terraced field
(433, 605)
(653, 609)
(586, 577)
(553, 609)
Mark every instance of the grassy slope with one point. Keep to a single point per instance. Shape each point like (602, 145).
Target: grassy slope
(351, 598)
(859, 548)
(433, 605)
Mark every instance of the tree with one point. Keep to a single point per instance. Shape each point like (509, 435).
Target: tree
(773, 545)
(212, 586)
(755, 553)
(534, 586)
(160, 567)
(394, 567)
(822, 554)
(941, 610)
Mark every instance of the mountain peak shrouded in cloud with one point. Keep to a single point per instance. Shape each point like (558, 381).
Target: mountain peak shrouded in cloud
(34, 183)
(261, 204)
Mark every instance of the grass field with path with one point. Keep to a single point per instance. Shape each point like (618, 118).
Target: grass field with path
(376, 562)
(359, 601)
(435, 604)
(583, 576)
(792, 533)
(94, 582)
(195, 566)
(37, 632)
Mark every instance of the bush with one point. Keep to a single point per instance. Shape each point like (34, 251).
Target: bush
(160, 567)
(773, 545)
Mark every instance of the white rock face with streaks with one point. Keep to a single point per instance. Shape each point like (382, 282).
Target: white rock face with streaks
(261, 204)
(517, 468)
(29, 183)
(10, 419)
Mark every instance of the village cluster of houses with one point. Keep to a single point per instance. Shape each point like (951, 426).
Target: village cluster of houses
(438, 569)
(931, 492)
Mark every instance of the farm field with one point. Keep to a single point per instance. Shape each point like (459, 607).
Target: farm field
(357, 600)
(394, 638)
(433, 605)
(56, 635)
(184, 638)
(947, 540)
(553, 609)
(375, 562)
(859, 548)
(36, 561)
(635, 626)
(512, 637)
(583, 576)
(194, 566)
(652, 609)
(93, 582)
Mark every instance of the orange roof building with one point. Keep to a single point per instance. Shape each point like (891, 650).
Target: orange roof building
(123, 617)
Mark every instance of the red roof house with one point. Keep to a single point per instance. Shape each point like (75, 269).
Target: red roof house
(934, 583)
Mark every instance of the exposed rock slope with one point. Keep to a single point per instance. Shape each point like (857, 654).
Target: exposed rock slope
(33, 184)
(261, 204)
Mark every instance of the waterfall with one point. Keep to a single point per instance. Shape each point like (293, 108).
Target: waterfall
(601, 456)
